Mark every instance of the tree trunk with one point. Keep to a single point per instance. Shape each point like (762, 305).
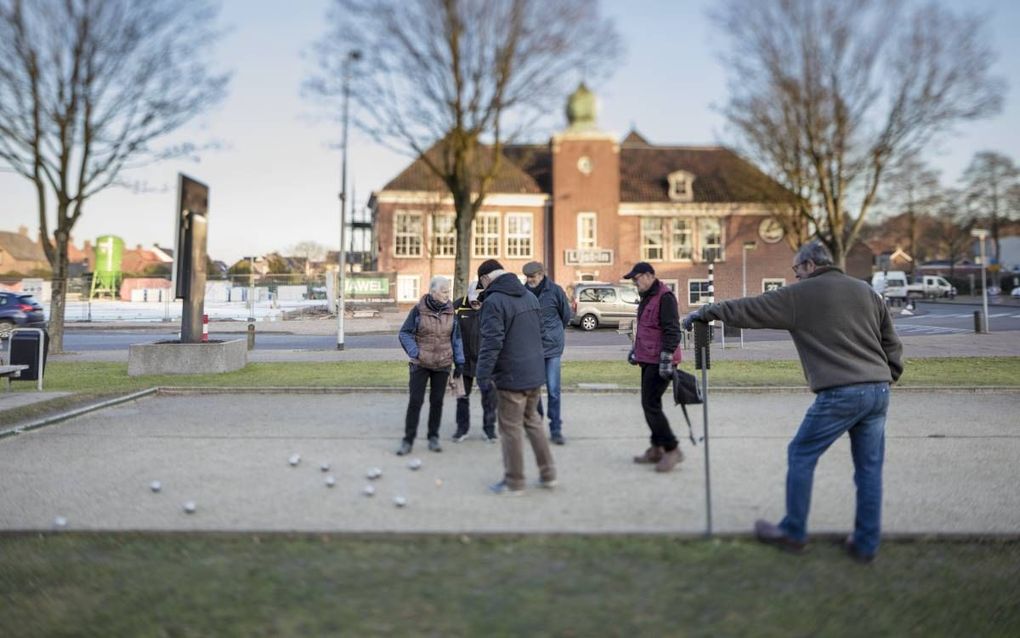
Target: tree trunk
(462, 266)
(58, 298)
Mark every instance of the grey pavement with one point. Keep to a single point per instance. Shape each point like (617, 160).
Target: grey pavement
(951, 468)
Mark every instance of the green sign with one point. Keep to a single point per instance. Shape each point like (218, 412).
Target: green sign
(367, 286)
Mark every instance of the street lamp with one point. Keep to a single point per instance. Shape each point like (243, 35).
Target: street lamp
(352, 57)
(980, 234)
(748, 245)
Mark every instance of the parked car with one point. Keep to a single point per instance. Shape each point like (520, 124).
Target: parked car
(891, 284)
(1016, 293)
(931, 287)
(597, 304)
(18, 310)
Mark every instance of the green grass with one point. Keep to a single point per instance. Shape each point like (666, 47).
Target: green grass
(244, 585)
(92, 381)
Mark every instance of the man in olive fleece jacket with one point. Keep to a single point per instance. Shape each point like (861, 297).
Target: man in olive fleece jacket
(850, 353)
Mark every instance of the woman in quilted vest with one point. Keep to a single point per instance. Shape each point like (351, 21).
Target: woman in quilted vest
(431, 339)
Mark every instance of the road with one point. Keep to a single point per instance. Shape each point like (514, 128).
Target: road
(930, 319)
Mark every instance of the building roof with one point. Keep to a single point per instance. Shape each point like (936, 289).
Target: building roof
(720, 174)
(21, 247)
(419, 177)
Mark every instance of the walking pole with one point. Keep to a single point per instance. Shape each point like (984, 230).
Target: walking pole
(702, 361)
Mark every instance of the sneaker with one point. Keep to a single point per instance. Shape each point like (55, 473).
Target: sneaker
(669, 460)
(558, 439)
(502, 489)
(770, 534)
(491, 438)
(651, 455)
(856, 554)
(405, 448)
(548, 485)
(434, 444)
(459, 436)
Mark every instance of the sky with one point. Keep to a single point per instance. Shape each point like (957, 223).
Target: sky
(275, 181)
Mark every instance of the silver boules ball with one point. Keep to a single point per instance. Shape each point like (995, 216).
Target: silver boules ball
(399, 501)
(189, 507)
(368, 490)
(294, 459)
(60, 523)
(414, 464)
(155, 486)
(373, 473)
(324, 466)
(330, 481)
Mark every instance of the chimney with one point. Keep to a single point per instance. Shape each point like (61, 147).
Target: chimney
(23, 231)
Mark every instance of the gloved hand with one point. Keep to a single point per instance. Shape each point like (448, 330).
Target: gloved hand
(666, 365)
(484, 385)
(458, 371)
(688, 322)
(632, 358)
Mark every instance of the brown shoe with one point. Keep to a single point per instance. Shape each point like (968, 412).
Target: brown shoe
(770, 534)
(651, 455)
(669, 460)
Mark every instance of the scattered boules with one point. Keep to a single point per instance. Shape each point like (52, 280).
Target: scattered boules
(368, 490)
(399, 501)
(330, 481)
(155, 486)
(189, 507)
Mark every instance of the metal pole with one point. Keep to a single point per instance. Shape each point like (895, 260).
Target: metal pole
(251, 290)
(702, 361)
(984, 285)
(352, 56)
(743, 284)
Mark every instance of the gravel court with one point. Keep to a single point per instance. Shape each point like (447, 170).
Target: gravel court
(950, 468)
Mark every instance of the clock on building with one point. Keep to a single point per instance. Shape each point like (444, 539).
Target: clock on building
(584, 164)
(770, 230)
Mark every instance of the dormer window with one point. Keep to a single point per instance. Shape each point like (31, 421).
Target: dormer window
(681, 186)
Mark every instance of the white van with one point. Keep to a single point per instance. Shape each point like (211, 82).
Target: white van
(891, 284)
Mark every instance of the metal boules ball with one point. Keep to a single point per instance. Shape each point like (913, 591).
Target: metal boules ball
(155, 486)
(190, 507)
(368, 490)
(414, 464)
(324, 466)
(294, 459)
(399, 501)
(59, 523)
(330, 481)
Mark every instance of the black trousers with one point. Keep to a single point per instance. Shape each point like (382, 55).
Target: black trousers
(489, 401)
(419, 378)
(652, 388)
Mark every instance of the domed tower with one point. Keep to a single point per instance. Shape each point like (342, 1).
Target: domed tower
(586, 194)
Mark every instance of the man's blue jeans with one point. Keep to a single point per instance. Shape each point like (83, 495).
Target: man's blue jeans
(552, 387)
(860, 410)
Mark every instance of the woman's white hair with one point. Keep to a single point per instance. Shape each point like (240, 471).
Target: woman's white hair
(438, 282)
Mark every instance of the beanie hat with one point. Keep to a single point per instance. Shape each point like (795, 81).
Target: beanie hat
(487, 266)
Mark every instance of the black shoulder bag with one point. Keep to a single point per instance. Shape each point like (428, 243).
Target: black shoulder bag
(686, 391)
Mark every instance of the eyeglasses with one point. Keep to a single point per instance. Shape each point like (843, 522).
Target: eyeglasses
(797, 266)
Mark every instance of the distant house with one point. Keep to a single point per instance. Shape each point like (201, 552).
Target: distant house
(19, 254)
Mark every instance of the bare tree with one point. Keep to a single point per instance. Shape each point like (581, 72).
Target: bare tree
(987, 181)
(950, 232)
(310, 250)
(86, 88)
(451, 81)
(914, 190)
(827, 94)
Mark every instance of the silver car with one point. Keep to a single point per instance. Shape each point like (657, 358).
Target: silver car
(596, 304)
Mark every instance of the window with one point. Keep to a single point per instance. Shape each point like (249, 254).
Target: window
(698, 292)
(680, 186)
(772, 284)
(407, 235)
(587, 230)
(710, 238)
(629, 295)
(597, 295)
(408, 288)
(518, 235)
(680, 244)
(486, 235)
(651, 239)
(672, 284)
(444, 236)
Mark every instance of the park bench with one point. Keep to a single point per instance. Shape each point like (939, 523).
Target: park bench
(9, 372)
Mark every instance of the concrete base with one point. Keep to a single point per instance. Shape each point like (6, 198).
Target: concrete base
(187, 358)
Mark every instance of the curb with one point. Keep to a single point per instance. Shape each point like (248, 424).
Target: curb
(63, 416)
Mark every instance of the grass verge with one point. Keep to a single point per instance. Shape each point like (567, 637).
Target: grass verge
(92, 381)
(244, 585)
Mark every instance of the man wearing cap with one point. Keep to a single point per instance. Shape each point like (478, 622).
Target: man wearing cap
(555, 317)
(510, 357)
(655, 340)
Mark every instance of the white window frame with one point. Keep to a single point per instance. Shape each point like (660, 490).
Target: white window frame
(691, 301)
(673, 234)
(404, 280)
(490, 239)
(519, 245)
(681, 186)
(771, 280)
(672, 284)
(703, 246)
(587, 230)
(646, 234)
(410, 236)
(449, 238)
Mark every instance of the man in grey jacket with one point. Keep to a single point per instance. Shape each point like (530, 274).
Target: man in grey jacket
(850, 353)
(555, 317)
(510, 357)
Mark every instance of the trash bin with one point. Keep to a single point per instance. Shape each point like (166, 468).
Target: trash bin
(24, 350)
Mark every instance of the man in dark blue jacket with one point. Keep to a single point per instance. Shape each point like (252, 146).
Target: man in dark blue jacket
(510, 357)
(555, 317)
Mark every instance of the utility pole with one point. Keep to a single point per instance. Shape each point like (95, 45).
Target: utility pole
(352, 57)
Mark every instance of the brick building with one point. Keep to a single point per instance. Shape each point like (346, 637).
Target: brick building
(589, 206)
